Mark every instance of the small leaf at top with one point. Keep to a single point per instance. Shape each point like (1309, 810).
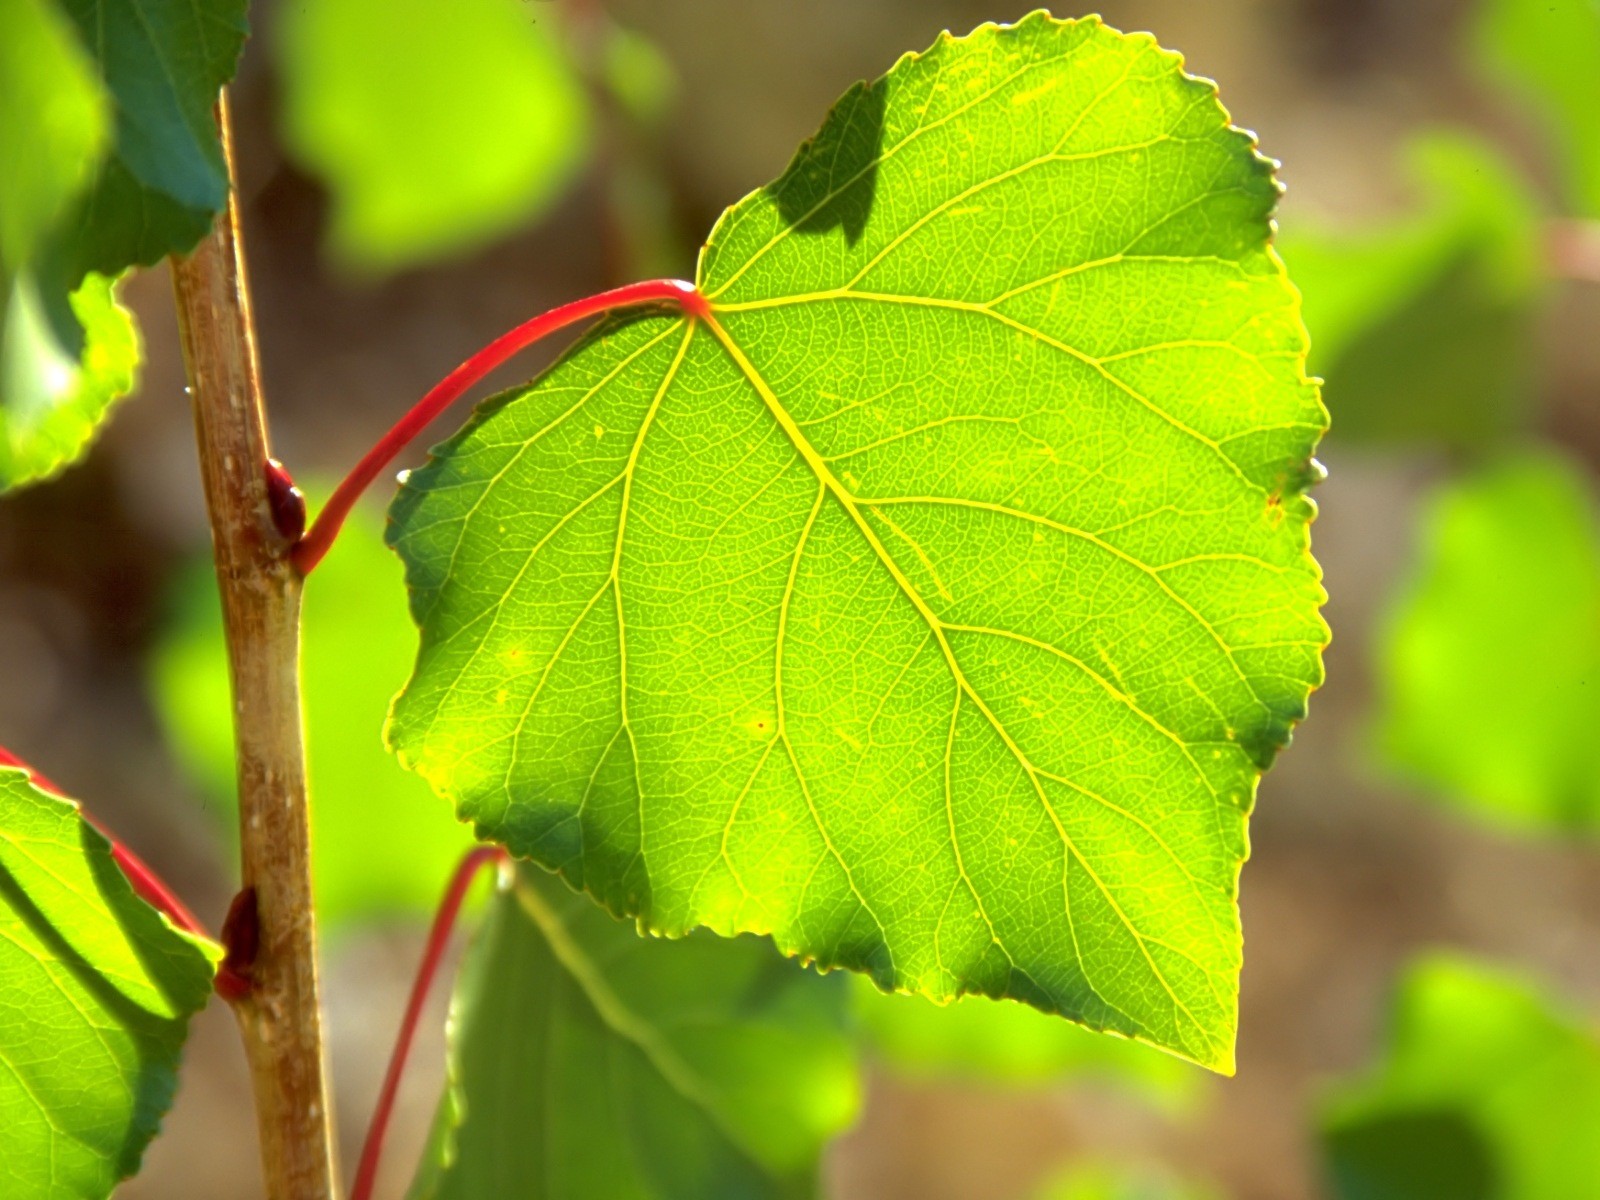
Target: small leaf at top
(1489, 668)
(590, 1063)
(935, 603)
(96, 992)
(164, 62)
(109, 158)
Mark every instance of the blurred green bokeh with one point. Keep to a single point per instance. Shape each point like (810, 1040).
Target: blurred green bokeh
(1487, 1092)
(436, 127)
(1489, 666)
(382, 843)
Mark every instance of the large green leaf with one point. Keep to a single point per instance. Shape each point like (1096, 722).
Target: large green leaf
(1013, 1045)
(96, 992)
(1549, 51)
(436, 126)
(385, 844)
(1425, 327)
(1487, 1092)
(1489, 669)
(590, 1063)
(935, 604)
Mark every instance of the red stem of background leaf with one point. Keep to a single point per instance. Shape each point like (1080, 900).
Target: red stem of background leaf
(438, 938)
(310, 550)
(145, 882)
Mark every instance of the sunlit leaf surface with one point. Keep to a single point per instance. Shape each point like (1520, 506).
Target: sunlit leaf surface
(96, 992)
(936, 603)
(109, 157)
(1487, 1092)
(590, 1063)
(1489, 670)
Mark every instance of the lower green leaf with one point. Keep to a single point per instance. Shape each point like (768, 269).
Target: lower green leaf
(96, 992)
(591, 1063)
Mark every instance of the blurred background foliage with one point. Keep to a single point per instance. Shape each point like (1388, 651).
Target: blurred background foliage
(416, 177)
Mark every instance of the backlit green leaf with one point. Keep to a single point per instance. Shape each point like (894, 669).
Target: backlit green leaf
(96, 992)
(590, 1063)
(1425, 328)
(384, 843)
(1487, 1092)
(435, 126)
(936, 603)
(1549, 52)
(1489, 671)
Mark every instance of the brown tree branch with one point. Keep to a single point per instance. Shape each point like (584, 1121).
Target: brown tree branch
(280, 1015)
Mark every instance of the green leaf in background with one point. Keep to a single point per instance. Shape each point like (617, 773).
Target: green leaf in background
(53, 126)
(54, 403)
(1489, 671)
(164, 62)
(96, 992)
(936, 604)
(54, 123)
(590, 1063)
(1549, 52)
(1487, 1092)
(436, 127)
(1425, 329)
(1108, 1181)
(148, 73)
(1011, 1044)
(384, 843)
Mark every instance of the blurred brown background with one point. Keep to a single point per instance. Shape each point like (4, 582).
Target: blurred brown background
(1347, 879)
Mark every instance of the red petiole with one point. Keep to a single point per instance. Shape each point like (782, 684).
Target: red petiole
(309, 551)
(147, 885)
(438, 938)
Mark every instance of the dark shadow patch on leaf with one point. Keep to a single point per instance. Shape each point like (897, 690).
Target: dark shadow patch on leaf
(833, 180)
